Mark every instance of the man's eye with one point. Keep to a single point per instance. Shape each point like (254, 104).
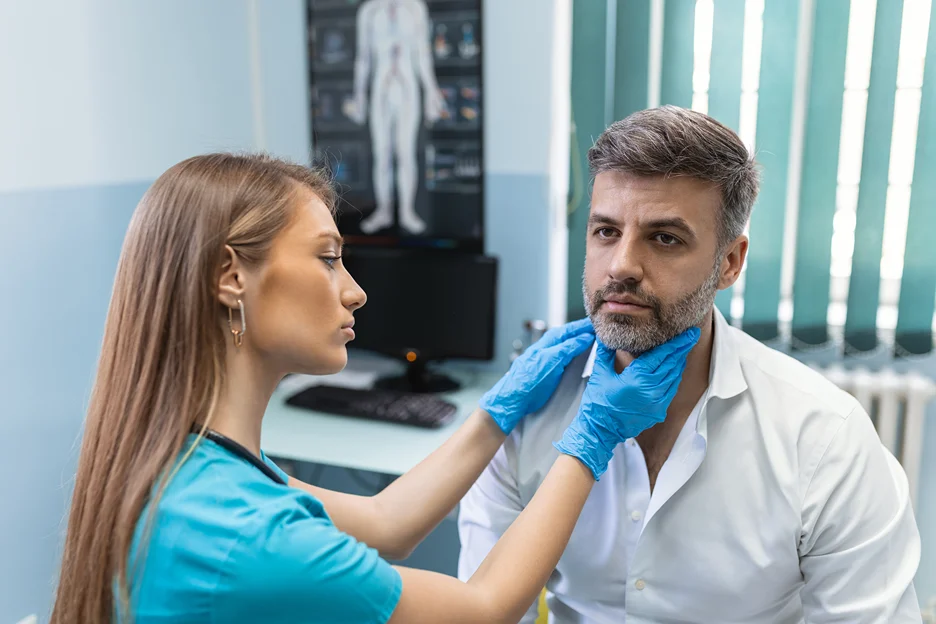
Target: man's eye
(667, 239)
(604, 232)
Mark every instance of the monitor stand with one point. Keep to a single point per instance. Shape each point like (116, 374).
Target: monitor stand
(418, 379)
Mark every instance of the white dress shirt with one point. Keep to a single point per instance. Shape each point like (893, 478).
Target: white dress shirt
(778, 503)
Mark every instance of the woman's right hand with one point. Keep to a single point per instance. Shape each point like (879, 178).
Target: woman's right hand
(616, 407)
(534, 376)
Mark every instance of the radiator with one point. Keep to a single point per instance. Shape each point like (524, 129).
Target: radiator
(897, 405)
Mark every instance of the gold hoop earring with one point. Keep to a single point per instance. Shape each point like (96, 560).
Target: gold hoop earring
(238, 333)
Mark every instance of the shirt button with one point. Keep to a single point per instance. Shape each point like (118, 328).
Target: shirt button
(631, 443)
(640, 584)
(636, 516)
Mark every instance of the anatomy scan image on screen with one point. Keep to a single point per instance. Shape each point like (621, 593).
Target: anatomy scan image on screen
(395, 90)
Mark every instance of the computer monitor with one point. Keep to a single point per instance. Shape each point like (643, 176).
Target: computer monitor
(424, 306)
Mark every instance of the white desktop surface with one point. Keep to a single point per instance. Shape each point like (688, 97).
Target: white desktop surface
(391, 448)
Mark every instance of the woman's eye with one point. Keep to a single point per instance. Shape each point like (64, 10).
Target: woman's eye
(331, 260)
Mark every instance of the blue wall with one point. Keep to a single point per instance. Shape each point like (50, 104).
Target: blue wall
(59, 248)
(109, 95)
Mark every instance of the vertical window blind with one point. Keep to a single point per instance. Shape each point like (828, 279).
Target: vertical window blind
(838, 100)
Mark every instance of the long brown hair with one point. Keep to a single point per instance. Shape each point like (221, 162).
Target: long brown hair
(161, 364)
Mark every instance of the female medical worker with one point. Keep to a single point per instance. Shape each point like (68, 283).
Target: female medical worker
(230, 277)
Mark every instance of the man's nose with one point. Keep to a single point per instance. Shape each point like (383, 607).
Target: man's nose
(627, 262)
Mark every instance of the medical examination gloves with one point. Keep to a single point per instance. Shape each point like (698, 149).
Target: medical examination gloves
(616, 407)
(534, 376)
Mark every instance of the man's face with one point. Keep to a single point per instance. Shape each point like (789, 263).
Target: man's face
(652, 263)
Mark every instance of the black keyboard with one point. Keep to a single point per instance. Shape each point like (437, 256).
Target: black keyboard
(420, 410)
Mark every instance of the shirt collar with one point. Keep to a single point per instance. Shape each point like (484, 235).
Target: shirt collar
(725, 377)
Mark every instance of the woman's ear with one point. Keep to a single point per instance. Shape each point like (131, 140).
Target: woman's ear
(231, 283)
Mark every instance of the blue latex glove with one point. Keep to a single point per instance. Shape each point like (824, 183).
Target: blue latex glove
(534, 375)
(616, 407)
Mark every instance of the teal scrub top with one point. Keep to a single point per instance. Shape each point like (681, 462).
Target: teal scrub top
(230, 545)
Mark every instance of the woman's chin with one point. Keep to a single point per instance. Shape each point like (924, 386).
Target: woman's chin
(334, 363)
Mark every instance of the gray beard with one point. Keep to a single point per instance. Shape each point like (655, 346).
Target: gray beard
(636, 335)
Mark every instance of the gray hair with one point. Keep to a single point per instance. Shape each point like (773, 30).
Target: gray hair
(673, 141)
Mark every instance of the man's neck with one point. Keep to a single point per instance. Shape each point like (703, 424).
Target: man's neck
(696, 376)
(657, 442)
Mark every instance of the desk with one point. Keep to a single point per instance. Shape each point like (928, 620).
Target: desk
(309, 436)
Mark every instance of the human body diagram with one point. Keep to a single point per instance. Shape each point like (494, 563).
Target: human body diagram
(393, 61)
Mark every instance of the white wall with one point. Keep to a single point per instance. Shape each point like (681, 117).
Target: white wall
(107, 92)
(526, 82)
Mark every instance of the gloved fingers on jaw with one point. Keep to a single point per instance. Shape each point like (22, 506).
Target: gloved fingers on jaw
(647, 384)
(689, 337)
(557, 335)
(653, 358)
(604, 358)
(671, 389)
(580, 326)
(674, 366)
(674, 358)
(687, 347)
(682, 343)
(659, 380)
(578, 344)
(668, 383)
(570, 347)
(604, 351)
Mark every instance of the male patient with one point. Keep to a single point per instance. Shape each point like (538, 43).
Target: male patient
(766, 494)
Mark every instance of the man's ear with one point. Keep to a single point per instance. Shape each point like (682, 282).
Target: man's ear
(730, 267)
(231, 282)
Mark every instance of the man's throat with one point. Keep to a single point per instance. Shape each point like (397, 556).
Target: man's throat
(657, 442)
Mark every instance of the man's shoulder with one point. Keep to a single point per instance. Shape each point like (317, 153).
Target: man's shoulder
(770, 373)
(529, 449)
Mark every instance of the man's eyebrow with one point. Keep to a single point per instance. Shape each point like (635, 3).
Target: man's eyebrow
(671, 222)
(596, 218)
(677, 223)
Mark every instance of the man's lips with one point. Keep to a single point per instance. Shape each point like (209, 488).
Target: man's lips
(627, 304)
